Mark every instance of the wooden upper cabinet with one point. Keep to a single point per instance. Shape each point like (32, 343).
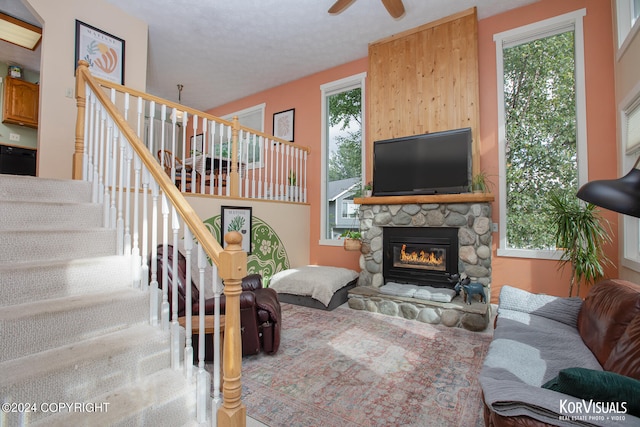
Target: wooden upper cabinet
(21, 100)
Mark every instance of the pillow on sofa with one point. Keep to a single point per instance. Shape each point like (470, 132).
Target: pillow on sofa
(601, 386)
(563, 310)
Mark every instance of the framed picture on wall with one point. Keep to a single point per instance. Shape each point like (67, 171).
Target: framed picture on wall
(234, 218)
(283, 124)
(103, 51)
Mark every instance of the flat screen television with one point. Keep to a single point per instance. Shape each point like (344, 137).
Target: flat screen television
(432, 163)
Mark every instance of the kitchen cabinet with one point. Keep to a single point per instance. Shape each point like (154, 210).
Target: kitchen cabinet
(21, 100)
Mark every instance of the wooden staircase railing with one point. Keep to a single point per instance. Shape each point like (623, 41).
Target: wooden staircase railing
(108, 152)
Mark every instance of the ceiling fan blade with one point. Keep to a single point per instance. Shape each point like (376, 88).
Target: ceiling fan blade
(339, 6)
(394, 7)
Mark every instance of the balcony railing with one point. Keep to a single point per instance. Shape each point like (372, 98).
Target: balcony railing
(210, 155)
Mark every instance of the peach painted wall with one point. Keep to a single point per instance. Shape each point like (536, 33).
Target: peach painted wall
(534, 275)
(543, 275)
(304, 96)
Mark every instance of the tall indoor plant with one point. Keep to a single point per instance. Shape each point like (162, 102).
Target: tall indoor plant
(581, 234)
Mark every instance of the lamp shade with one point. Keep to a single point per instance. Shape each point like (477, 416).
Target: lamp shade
(619, 195)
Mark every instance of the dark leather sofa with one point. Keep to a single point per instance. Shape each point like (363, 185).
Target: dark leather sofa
(260, 316)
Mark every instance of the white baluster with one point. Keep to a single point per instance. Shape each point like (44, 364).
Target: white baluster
(261, 166)
(298, 174)
(127, 200)
(120, 220)
(272, 187)
(188, 349)
(86, 139)
(153, 285)
(229, 152)
(304, 196)
(204, 379)
(135, 249)
(175, 326)
(165, 268)
(144, 267)
(111, 170)
(152, 118)
(217, 291)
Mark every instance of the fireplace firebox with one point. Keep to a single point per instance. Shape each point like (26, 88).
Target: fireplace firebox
(420, 256)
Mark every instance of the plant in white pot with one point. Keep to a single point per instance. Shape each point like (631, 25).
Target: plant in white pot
(581, 233)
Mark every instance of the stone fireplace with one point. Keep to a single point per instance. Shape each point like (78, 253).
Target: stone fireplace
(460, 225)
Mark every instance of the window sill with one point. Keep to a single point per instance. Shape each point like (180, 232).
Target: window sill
(529, 253)
(631, 264)
(331, 242)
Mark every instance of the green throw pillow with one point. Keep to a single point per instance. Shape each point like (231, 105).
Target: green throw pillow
(600, 386)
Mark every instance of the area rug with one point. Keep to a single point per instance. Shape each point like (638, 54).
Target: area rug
(355, 368)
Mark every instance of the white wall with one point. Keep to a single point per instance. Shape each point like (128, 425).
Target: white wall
(56, 133)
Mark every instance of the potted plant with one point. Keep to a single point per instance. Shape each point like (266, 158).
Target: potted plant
(480, 183)
(368, 188)
(352, 240)
(581, 234)
(291, 179)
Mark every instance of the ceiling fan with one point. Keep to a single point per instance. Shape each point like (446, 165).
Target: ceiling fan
(394, 7)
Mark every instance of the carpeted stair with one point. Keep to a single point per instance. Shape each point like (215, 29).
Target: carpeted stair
(73, 328)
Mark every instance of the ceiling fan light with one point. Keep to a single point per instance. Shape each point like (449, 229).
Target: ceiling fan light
(18, 32)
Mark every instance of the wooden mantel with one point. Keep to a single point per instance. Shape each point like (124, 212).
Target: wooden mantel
(426, 199)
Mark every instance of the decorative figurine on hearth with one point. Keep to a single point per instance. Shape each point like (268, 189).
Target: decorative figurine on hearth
(465, 285)
(475, 288)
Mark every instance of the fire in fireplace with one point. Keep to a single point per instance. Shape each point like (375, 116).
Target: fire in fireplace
(418, 257)
(421, 256)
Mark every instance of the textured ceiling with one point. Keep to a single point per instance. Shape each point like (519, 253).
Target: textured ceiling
(224, 50)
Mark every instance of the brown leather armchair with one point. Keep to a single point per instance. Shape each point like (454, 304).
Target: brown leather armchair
(260, 316)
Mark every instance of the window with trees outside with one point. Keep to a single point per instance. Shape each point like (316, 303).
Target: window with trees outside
(342, 156)
(542, 134)
(630, 146)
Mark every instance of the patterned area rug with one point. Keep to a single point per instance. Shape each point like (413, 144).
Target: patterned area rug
(356, 368)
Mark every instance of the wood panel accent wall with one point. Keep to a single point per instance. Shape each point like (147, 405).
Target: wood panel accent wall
(426, 80)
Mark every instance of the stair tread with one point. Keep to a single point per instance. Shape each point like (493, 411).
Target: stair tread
(150, 392)
(72, 302)
(25, 281)
(36, 364)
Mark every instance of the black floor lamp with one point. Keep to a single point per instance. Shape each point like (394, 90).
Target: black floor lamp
(619, 195)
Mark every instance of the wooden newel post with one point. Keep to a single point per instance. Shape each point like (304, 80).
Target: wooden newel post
(234, 177)
(81, 102)
(233, 267)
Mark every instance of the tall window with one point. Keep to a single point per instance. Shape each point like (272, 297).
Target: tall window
(541, 126)
(630, 146)
(342, 156)
(628, 12)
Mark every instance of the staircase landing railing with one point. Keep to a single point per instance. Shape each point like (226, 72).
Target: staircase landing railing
(135, 190)
(215, 156)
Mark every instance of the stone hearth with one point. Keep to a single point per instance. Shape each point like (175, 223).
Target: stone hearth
(470, 213)
(457, 313)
